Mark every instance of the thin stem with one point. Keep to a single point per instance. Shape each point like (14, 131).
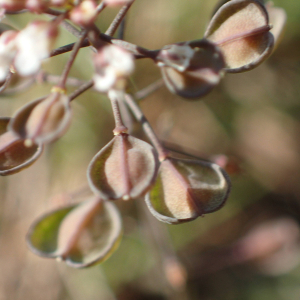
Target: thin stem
(56, 78)
(68, 48)
(118, 19)
(120, 127)
(167, 254)
(100, 7)
(137, 51)
(121, 31)
(71, 60)
(81, 90)
(72, 29)
(162, 152)
(140, 95)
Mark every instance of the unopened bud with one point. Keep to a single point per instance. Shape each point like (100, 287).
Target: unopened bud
(113, 65)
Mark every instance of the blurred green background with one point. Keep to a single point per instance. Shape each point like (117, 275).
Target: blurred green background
(248, 250)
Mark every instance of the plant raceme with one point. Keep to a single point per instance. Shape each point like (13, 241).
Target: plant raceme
(240, 36)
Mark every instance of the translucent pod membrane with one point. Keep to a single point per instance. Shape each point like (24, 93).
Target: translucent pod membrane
(278, 18)
(14, 155)
(43, 120)
(191, 70)
(125, 168)
(82, 235)
(187, 189)
(241, 29)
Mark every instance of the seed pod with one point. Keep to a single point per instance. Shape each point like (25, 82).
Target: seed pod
(14, 155)
(43, 120)
(241, 29)
(82, 235)
(187, 189)
(125, 168)
(191, 70)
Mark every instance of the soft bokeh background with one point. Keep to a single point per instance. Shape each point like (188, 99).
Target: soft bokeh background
(248, 250)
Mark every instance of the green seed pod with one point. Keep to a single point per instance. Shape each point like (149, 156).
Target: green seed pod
(187, 189)
(82, 235)
(14, 155)
(43, 120)
(125, 168)
(191, 70)
(241, 29)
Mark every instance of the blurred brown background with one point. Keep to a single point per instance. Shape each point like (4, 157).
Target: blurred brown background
(248, 250)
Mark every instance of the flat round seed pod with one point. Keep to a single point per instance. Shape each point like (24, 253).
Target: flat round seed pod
(82, 235)
(193, 72)
(187, 189)
(43, 120)
(14, 155)
(241, 29)
(125, 168)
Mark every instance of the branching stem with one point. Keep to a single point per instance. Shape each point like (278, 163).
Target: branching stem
(71, 60)
(118, 19)
(81, 90)
(162, 152)
(140, 95)
(114, 97)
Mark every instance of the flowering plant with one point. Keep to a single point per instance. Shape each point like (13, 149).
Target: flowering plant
(238, 38)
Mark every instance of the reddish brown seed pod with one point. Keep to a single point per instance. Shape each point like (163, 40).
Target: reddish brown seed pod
(241, 29)
(186, 189)
(43, 120)
(125, 168)
(191, 70)
(14, 155)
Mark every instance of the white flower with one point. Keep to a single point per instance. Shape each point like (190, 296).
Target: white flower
(34, 44)
(8, 51)
(113, 65)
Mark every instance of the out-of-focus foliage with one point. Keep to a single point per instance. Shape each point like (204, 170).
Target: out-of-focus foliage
(253, 116)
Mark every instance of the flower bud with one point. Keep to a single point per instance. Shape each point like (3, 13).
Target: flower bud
(241, 29)
(191, 71)
(125, 168)
(187, 189)
(113, 65)
(34, 44)
(14, 155)
(85, 13)
(43, 120)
